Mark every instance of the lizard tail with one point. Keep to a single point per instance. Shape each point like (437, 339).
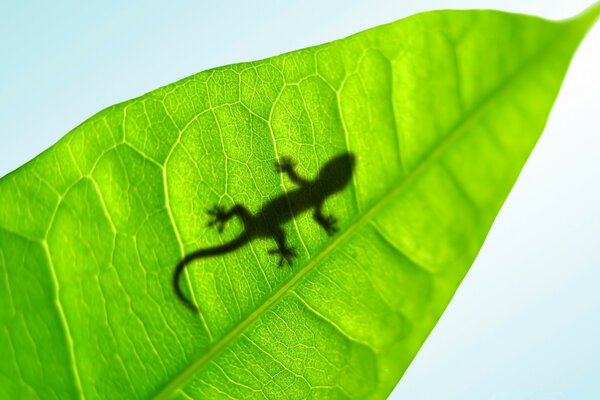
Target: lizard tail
(202, 253)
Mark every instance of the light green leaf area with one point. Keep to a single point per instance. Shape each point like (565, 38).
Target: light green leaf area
(441, 110)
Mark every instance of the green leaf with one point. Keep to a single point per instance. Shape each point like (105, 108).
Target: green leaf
(441, 110)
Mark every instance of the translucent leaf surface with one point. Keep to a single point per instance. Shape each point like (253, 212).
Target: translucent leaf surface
(441, 110)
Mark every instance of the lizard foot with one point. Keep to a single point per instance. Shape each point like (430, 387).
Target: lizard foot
(329, 223)
(284, 165)
(219, 217)
(286, 255)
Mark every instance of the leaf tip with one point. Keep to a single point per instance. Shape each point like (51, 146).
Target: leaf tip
(589, 16)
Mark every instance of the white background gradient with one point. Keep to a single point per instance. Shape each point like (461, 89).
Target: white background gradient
(524, 324)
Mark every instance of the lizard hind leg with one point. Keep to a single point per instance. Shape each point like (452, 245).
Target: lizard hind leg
(220, 216)
(286, 253)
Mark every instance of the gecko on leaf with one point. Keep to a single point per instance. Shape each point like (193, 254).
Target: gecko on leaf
(268, 221)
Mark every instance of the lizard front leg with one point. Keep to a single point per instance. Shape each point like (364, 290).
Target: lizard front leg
(327, 222)
(286, 254)
(287, 166)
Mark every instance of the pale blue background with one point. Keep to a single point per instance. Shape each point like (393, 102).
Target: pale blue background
(525, 322)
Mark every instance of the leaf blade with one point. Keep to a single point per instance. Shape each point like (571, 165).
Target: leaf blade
(142, 155)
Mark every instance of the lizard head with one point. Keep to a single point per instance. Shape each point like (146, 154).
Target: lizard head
(337, 172)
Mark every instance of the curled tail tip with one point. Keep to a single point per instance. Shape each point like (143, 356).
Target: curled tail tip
(191, 306)
(176, 277)
(187, 302)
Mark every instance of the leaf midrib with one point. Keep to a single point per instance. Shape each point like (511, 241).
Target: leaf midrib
(456, 132)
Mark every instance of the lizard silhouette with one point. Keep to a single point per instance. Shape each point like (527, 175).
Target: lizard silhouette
(268, 221)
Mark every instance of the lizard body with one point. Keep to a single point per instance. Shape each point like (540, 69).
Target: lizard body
(269, 220)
